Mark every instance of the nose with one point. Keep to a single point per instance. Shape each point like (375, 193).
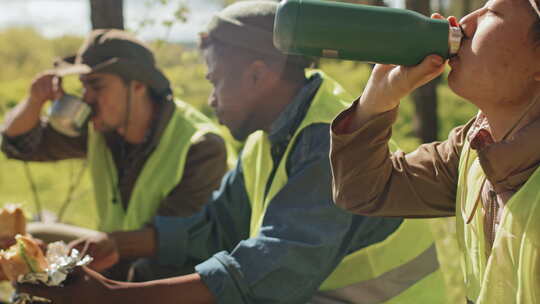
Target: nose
(469, 23)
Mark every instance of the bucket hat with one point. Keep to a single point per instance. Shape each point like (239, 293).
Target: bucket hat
(116, 52)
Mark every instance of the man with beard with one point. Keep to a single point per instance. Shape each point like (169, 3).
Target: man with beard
(148, 154)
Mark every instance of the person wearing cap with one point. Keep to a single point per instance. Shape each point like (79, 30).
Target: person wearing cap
(486, 173)
(272, 233)
(148, 154)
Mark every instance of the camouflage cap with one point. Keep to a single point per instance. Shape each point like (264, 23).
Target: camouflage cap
(116, 52)
(249, 25)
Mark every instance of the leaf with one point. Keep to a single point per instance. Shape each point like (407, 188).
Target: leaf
(147, 22)
(167, 23)
(182, 13)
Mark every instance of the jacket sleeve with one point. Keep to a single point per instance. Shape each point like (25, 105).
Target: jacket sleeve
(301, 240)
(206, 163)
(368, 179)
(43, 143)
(220, 225)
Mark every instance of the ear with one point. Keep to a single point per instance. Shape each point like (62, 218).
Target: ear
(138, 88)
(258, 74)
(536, 76)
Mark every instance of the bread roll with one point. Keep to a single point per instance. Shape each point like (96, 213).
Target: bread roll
(12, 222)
(22, 258)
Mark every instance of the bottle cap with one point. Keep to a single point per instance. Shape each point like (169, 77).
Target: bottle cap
(454, 39)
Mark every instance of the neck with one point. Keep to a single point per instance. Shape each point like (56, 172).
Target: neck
(506, 121)
(139, 121)
(277, 101)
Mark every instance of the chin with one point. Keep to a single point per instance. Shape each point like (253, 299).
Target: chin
(240, 133)
(467, 92)
(239, 136)
(457, 84)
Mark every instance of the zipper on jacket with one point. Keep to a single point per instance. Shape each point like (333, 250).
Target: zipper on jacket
(492, 216)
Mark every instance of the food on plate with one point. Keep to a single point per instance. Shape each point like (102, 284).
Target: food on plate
(24, 257)
(12, 222)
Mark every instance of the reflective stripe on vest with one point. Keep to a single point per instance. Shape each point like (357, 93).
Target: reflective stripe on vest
(386, 272)
(511, 274)
(162, 171)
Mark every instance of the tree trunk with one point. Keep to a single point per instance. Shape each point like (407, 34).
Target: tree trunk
(425, 119)
(107, 14)
(425, 97)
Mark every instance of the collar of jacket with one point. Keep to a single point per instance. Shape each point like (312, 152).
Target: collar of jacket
(290, 118)
(165, 110)
(508, 164)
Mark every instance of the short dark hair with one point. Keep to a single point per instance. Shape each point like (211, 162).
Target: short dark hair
(152, 93)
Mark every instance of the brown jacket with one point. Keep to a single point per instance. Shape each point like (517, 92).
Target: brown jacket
(204, 168)
(369, 180)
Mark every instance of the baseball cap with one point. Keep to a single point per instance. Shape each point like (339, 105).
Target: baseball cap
(116, 52)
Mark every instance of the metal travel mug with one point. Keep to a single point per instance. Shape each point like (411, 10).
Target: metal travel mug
(69, 115)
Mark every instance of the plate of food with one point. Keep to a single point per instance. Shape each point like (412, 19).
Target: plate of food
(27, 260)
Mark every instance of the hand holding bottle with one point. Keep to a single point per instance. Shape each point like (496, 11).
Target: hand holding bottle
(388, 84)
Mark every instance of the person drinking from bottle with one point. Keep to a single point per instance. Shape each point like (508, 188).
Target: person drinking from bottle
(486, 173)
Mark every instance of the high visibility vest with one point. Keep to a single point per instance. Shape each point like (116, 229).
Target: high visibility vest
(161, 173)
(401, 269)
(511, 273)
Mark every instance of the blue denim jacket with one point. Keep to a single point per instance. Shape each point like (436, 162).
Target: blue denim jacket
(303, 236)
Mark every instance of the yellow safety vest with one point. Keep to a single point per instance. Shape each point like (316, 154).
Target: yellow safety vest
(511, 273)
(401, 269)
(161, 173)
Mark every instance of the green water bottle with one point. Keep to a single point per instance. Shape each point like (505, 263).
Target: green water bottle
(362, 32)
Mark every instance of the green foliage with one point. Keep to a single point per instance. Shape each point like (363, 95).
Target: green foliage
(180, 15)
(453, 110)
(24, 52)
(18, 56)
(188, 81)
